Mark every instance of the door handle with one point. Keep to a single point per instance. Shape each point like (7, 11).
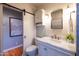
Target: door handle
(24, 36)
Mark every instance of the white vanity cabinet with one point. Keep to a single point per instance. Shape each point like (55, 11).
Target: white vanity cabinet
(39, 14)
(45, 49)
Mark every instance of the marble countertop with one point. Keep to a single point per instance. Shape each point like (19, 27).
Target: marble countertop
(59, 43)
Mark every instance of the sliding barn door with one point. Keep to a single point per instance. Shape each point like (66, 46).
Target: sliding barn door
(29, 30)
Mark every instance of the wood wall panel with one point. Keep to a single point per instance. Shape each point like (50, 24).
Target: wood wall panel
(14, 52)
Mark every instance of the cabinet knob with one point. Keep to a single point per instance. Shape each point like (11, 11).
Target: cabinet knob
(45, 48)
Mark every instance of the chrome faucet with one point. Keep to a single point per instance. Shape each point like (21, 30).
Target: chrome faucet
(56, 37)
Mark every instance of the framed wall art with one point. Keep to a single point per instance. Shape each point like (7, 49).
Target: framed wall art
(57, 19)
(15, 26)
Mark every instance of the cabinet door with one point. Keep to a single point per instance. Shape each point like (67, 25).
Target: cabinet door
(41, 50)
(54, 51)
(38, 16)
(45, 49)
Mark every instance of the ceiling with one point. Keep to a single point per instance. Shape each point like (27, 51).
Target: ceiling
(43, 4)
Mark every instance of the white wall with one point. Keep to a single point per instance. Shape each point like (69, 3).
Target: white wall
(28, 6)
(66, 16)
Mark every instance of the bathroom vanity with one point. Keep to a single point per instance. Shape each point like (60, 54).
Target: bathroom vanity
(48, 46)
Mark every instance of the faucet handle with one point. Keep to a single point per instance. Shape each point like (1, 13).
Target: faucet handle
(58, 38)
(52, 36)
(55, 36)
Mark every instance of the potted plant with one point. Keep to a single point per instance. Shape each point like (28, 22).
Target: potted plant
(70, 38)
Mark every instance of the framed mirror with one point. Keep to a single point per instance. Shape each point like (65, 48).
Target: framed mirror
(57, 19)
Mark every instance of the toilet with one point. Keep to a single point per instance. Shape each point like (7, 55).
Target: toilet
(31, 50)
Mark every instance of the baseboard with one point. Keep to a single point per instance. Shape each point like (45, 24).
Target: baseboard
(12, 48)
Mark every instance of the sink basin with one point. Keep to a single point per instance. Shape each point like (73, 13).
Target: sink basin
(56, 40)
(52, 40)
